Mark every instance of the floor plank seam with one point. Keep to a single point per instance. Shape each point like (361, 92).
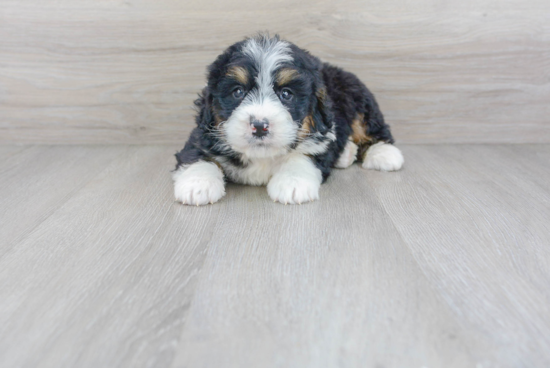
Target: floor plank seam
(62, 203)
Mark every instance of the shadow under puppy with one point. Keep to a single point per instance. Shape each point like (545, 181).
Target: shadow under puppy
(273, 114)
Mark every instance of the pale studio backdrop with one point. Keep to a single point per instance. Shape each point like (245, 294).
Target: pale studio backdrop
(110, 71)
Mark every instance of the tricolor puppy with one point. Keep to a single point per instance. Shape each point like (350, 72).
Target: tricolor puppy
(272, 114)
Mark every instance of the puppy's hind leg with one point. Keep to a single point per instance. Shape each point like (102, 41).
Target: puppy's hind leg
(348, 156)
(375, 139)
(383, 156)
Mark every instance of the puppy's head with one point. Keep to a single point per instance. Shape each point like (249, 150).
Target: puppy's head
(266, 97)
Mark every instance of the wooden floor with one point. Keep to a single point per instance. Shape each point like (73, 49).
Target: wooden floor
(444, 264)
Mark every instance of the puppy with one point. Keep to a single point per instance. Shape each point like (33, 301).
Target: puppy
(272, 114)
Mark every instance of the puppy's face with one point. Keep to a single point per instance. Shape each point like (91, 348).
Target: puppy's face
(264, 97)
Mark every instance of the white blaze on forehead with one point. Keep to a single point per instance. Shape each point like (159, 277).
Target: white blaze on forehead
(267, 54)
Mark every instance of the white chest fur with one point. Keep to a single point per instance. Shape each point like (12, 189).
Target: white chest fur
(258, 171)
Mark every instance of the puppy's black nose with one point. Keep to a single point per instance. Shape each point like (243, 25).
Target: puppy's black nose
(259, 128)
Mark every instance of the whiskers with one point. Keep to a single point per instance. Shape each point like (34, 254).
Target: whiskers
(220, 138)
(233, 137)
(216, 132)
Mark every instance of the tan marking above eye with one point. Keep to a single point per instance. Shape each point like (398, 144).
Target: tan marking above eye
(238, 73)
(286, 75)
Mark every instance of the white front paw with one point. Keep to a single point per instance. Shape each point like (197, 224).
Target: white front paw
(297, 182)
(384, 157)
(199, 184)
(290, 189)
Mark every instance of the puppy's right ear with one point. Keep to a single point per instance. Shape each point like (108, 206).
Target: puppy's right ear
(205, 116)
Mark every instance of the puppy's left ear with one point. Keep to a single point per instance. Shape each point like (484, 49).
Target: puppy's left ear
(321, 111)
(205, 116)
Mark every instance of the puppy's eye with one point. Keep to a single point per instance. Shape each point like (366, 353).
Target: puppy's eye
(286, 94)
(238, 93)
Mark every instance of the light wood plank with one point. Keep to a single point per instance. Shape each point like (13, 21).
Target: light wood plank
(128, 71)
(320, 285)
(477, 223)
(444, 264)
(107, 279)
(528, 162)
(9, 150)
(36, 181)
